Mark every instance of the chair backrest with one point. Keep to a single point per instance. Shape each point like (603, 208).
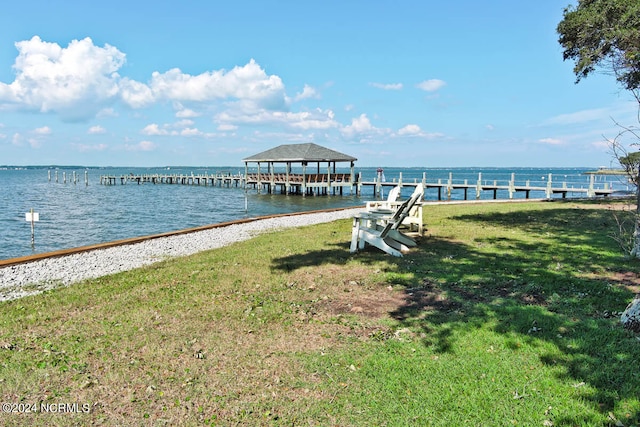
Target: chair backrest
(405, 209)
(419, 190)
(398, 216)
(394, 193)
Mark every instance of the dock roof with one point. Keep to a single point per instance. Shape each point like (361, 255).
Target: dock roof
(308, 152)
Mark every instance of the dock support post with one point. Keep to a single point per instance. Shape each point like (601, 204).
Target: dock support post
(512, 185)
(479, 186)
(591, 192)
(549, 190)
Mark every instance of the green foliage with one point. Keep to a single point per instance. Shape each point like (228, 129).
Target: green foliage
(606, 34)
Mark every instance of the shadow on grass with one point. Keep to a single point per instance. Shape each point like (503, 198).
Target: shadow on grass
(553, 278)
(555, 286)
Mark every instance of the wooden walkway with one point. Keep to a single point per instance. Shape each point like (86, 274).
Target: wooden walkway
(446, 187)
(227, 180)
(322, 184)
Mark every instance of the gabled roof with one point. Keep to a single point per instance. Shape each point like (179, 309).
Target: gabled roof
(300, 153)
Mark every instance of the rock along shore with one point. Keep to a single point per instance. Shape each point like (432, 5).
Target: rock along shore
(30, 278)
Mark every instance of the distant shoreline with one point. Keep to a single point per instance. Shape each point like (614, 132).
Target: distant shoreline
(607, 172)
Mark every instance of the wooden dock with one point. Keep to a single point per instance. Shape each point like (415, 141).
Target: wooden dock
(219, 179)
(446, 187)
(332, 183)
(304, 184)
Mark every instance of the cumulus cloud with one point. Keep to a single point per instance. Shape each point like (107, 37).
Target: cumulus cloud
(75, 81)
(227, 127)
(387, 86)
(361, 127)
(249, 83)
(307, 92)
(431, 85)
(184, 113)
(154, 129)
(141, 146)
(81, 80)
(410, 130)
(190, 132)
(184, 123)
(44, 130)
(316, 119)
(96, 130)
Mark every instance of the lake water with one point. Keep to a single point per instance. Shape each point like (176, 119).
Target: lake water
(75, 214)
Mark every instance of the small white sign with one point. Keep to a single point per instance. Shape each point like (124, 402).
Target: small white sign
(32, 217)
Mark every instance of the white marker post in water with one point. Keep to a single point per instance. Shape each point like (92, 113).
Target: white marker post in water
(32, 217)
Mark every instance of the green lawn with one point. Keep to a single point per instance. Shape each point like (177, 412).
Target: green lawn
(505, 314)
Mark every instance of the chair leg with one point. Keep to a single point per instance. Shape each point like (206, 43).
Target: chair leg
(355, 235)
(387, 245)
(401, 238)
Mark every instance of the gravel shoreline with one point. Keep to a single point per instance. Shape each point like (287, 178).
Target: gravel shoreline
(17, 281)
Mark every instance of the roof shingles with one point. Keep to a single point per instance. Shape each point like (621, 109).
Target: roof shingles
(308, 152)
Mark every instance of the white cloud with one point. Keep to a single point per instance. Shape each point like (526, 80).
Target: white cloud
(388, 86)
(74, 82)
(184, 123)
(136, 94)
(16, 140)
(96, 130)
(227, 127)
(248, 83)
(316, 119)
(190, 132)
(431, 85)
(185, 113)
(81, 80)
(44, 130)
(141, 146)
(410, 130)
(551, 141)
(307, 92)
(361, 127)
(154, 129)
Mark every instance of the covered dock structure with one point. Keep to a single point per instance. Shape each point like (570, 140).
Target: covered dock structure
(307, 169)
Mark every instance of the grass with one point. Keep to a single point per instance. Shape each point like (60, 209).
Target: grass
(505, 314)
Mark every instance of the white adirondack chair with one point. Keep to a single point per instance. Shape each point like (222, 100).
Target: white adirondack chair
(392, 197)
(414, 218)
(381, 229)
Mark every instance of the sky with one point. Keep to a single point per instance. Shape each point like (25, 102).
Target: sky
(416, 83)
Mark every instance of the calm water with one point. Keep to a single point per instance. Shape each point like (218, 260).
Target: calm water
(73, 215)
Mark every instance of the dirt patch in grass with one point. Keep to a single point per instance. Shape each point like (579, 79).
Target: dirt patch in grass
(628, 279)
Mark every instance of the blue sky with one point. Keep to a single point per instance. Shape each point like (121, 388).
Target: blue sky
(205, 83)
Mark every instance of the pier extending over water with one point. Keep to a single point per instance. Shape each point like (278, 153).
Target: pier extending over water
(219, 179)
(333, 183)
(445, 187)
